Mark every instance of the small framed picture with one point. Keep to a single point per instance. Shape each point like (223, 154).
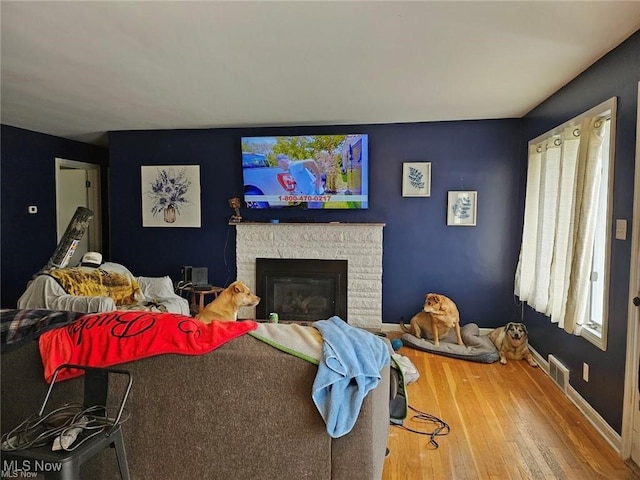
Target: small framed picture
(416, 179)
(461, 208)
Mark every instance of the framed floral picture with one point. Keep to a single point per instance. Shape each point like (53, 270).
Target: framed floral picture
(416, 179)
(462, 208)
(171, 196)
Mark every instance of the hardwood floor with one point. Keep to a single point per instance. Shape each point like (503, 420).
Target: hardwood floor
(506, 422)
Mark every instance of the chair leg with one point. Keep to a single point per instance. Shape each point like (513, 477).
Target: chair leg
(121, 455)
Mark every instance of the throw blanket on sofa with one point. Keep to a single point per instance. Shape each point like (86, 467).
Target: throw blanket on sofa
(111, 338)
(349, 369)
(96, 282)
(300, 341)
(19, 327)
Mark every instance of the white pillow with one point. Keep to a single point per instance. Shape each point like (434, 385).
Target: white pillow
(156, 287)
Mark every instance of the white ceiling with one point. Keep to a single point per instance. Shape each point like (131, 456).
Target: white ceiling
(80, 69)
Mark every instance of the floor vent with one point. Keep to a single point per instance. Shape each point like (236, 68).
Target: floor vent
(558, 373)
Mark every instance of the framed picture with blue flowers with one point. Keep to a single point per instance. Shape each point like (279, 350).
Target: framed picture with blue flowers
(461, 208)
(171, 196)
(416, 179)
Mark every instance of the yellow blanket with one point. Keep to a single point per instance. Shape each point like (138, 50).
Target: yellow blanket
(98, 283)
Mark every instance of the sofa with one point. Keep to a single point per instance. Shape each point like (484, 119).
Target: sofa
(242, 411)
(157, 294)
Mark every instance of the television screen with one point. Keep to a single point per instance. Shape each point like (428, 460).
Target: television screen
(311, 171)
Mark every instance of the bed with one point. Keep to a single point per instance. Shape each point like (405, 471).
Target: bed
(477, 348)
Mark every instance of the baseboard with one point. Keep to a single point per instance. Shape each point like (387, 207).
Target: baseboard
(604, 429)
(390, 327)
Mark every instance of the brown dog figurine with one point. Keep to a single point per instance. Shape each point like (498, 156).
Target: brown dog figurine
(438, 316)
(226, 305)
(512, 341)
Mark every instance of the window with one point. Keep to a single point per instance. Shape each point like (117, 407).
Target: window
(563, 267)
(595, 327)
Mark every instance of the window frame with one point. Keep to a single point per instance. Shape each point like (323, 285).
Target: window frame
(608, 107)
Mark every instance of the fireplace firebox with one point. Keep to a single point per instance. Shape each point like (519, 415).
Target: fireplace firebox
(301, 289)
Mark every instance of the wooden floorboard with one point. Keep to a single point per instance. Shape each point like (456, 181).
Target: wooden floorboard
(506, 422)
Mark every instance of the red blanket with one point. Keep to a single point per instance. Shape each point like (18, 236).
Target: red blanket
(106, 339)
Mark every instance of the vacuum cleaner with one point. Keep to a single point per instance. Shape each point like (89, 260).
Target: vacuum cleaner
(69, 242)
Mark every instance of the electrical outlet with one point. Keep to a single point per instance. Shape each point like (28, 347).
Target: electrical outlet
(585, 372)
(621, 229)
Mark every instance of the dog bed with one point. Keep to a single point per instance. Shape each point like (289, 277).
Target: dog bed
(478, 348)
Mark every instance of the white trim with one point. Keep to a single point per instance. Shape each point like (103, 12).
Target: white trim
(630, 403)
(390, 327)
(594, 418)
(94, 199)
(601, 341)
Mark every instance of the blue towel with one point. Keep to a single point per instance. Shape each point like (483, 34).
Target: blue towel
(350, 367)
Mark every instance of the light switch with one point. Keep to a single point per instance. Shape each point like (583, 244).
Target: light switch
(621, 229)
(33, 209)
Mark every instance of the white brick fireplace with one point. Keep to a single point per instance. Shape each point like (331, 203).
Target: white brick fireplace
(358, 243)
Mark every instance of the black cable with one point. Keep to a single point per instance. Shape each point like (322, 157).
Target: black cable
(38, 431)
(442, 428)
(517, 301)
(182, 284)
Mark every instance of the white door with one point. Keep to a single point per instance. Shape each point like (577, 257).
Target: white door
(635, 445)
(631, 414)
(78, 185)
(72, 194)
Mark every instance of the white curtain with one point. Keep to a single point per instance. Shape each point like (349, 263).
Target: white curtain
(561, 205)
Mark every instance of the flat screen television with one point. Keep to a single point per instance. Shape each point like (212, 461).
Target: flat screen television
(307, 171)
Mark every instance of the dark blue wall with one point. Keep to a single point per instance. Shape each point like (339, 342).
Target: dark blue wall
(615, 75)
(27, 172)
(472, 265)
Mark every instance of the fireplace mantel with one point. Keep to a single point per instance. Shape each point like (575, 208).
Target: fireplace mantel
(358, 243)
(301, 224)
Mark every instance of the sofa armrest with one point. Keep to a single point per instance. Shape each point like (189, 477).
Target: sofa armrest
(360, 454)
(81, 304)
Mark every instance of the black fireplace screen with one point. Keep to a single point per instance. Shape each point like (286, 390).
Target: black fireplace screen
(301, 289)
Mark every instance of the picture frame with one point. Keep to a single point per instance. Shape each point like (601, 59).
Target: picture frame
(416, 179)
(170, 196)
(462, 207)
